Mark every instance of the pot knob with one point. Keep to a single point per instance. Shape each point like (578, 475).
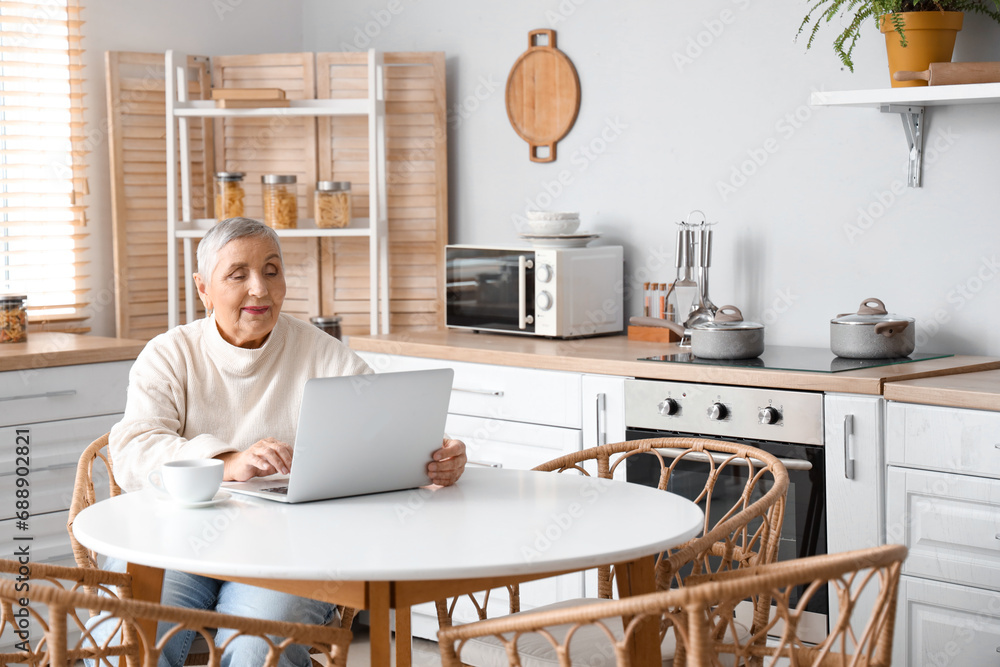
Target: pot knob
(769, 415)
(718, 412)
(668, 407)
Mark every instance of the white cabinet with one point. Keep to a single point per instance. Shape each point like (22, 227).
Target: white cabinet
(944, 505)
(854, 482)
(180, 225)
(48, 417)
(519, 418)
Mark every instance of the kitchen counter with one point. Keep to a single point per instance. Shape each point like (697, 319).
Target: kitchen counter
(47, 349)
(980, 391)
(617, 355)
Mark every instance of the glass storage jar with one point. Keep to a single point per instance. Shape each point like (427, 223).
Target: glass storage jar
(13, 318)
(329, 324)
(333, 204)
(229, 194)
(281, 208)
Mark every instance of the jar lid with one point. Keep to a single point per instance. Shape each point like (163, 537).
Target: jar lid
(276, 179)
(11, 299)
(229, 175)
(334, 186)
(325, 320)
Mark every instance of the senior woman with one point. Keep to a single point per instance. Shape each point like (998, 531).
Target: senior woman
(229, 387)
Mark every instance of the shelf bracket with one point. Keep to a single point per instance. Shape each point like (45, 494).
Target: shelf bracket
(913, 126)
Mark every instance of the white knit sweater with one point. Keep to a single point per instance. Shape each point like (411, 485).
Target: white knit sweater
(193, 395)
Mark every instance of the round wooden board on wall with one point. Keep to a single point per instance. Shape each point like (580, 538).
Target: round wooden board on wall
(543, 96)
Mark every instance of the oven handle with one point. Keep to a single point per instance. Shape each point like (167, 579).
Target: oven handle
(790, 464)
(522, 292)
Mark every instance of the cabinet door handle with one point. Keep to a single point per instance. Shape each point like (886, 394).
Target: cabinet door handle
(602, 419)
(483, 392)
(48, 394)
(848, 459)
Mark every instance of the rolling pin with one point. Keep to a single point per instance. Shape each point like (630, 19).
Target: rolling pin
(942, 74)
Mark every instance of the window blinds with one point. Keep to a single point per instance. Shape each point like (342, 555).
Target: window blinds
(43, 149)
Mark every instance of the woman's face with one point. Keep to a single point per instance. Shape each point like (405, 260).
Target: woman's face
(246, 290)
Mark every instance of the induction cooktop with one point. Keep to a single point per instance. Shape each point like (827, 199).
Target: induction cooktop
(788, 358)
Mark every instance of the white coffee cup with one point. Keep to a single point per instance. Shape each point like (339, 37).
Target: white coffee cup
(189, 480)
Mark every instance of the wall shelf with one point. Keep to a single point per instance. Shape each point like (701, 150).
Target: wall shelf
(909, 103)
(181, 225)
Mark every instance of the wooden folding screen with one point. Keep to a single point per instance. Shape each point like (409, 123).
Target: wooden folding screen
(324, 278)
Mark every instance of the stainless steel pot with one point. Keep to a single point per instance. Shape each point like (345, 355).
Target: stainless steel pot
(872, 333)
(727, 336)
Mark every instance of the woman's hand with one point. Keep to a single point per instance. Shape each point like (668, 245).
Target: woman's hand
(448, 463)
(264, 457)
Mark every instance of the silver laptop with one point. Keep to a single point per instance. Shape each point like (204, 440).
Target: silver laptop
(361, 434)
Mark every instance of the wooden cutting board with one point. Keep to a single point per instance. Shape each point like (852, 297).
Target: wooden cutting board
(543, 95)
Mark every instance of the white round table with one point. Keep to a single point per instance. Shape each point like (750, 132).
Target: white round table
(402, 548)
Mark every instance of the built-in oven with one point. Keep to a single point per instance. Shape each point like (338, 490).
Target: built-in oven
(786, 424)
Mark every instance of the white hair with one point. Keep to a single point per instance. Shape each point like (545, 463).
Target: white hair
(226, 231)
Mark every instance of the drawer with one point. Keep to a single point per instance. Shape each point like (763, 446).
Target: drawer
(512, 444)
(948, 439)
(63, 392)
(950, 523)
(54, 450)
(943, 624)
(500, 392)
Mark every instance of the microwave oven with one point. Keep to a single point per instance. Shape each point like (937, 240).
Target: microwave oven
(539, 291)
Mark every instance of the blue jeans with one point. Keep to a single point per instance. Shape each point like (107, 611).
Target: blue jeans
(196, 592)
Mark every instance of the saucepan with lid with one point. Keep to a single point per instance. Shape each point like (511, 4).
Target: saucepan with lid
(725, 336)
(872, 333)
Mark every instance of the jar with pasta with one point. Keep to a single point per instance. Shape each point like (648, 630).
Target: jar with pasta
(229, 194)
(13, 318)
(281, 208)
(333, 204)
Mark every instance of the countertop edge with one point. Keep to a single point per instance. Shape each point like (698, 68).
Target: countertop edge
(48, 350)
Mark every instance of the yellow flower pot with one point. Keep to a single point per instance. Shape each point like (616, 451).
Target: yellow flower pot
(930, 38)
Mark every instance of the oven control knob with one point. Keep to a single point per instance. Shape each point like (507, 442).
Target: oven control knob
(668, 407)
(769, 415)
(543, 300)
(718, 412)
(543, 273)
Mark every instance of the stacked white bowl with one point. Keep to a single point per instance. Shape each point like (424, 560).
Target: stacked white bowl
(553, 223)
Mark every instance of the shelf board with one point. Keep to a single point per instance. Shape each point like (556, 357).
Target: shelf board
(924, 96)
(302, 108)
(307, 228)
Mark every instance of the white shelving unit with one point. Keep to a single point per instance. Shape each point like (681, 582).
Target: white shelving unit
(909, 103)
(180, 225)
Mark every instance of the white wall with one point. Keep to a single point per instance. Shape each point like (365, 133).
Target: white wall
(204, 27)
(662, 137)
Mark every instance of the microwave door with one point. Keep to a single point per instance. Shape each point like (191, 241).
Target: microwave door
(490, 289)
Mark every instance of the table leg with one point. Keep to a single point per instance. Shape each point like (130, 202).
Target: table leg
(635, 578)
(147, 584)
(404, 638)
(378, 618)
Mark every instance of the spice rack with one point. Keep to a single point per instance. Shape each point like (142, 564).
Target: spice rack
(181, 226)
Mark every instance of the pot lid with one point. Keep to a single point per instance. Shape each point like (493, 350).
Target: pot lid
(872, 311)
(729, 318)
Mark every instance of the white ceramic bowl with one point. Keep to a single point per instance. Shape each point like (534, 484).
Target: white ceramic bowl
(553, 227)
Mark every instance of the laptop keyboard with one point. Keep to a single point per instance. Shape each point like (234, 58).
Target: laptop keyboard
(283, 490)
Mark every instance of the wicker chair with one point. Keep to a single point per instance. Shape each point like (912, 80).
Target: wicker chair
(54, 594)
(584, 634)
(85, 493)
(735, 536)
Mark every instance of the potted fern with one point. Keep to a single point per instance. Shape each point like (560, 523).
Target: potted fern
(917, 32)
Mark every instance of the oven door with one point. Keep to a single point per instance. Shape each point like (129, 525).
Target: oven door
(490, 288)
(803, 532)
